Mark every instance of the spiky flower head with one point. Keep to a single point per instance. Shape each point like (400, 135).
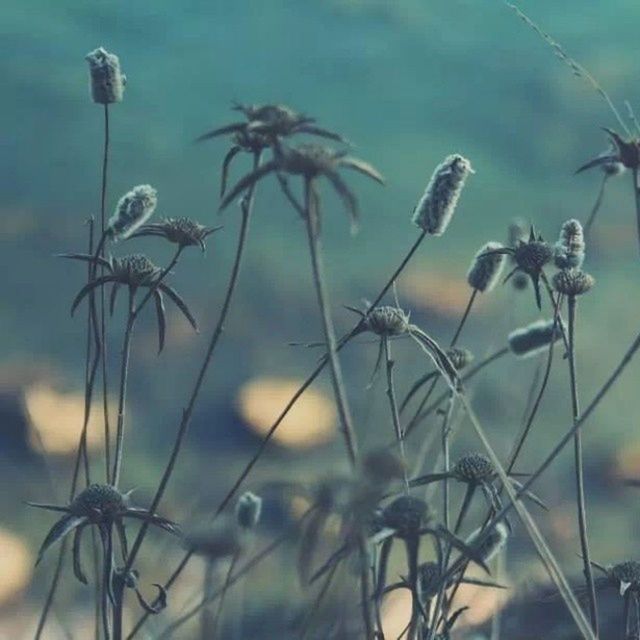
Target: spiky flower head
(626, 575)
(107, 80)
(387, 321)
(248, 510)
(569, 250)
(133, 209)
(406, 515)
(572, 282)
(99, 502)
(532, 339)
(485, 270)
(532, 255)
(473, 468)
(135, 270)
(184, 232)
(460, 358)
(438, 203)
(493, 543)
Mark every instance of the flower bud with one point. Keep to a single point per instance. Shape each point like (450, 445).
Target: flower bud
(107, 80)
(530, 340)
(485, 270)
(493, 543)
(133, 210)
(248, 510)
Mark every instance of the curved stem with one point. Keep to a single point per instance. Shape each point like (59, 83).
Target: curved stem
(579, 470)
(463, 320)
(636, 197)
(596, 205)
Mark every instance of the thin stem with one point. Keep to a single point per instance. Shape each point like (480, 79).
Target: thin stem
(463, 320)
(225, 587)
(636, 196)
(446, 457)
(579, 470)
(391, 394)
(596, 205)
(207, 590)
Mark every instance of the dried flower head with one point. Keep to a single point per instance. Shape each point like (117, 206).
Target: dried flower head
(248, 510)
(572, 282)
(107, 80)
(406, 515)
(135, 270)
(429, 578)
(493, 543)
(622, 152)
(625, 575)
(569, 250)
(460, 358)
(437, 205)
(485, 270)
(133, 209)
(534, 338)
(387, 321)
(474, 468)
(220, 540)
(184, 232)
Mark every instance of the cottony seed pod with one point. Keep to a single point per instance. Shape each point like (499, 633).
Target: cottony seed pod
(485, 270)
(572, 282)
(107, 80)
(493, 543)
(248, 510)
(569, 250)
(473, 468)
(133, 210)
(532, 339)
(438, 203)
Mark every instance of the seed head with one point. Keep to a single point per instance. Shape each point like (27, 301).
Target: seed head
(248, 510)
(572, 282)
(533, 255)
(429, 576)
(485, 270)
(107, 80)
(99, 502)
(569, 250)
(387, 321)
(473, 468)
(184, 232)
(460, 358)
(532, 339)
(406, 514)
(133, 210)
(135, 270)
(626, 575)
(493, 543)
(437, 205)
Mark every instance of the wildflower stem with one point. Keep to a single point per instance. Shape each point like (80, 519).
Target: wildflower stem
(463, 320)
(213, 634)
(636, 196)
(391, 394)
(579, 469)
(596, 205)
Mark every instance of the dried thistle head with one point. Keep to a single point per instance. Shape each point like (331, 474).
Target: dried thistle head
(570, 248)
(625, 576)
(406, 515)
(572, 282)
(532, 255)
(460, 358)
(184, 232)
(248, 510)
(429, 578)
(107, 80)
(438, 203)
(135, 270)
(534, 338)
(99, 502)
(474, 468)
(493, 543)
(486, 267)
(387, 321)
(133, 209)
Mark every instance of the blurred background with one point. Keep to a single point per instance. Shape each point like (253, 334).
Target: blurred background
(408, 82)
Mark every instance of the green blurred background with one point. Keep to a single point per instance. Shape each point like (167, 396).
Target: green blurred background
(408, 81)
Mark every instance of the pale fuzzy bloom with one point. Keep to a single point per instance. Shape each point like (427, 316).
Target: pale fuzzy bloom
(438, 203)
(494, 542)
(248, 510)
(133, 210)
(534, 338)
(486, 268)
(107, 80)
(569, 250)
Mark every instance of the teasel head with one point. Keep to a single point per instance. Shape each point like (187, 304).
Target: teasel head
(460, 358)
(474, 468)
(248, 510)
(569, 250)
(184, 232)
(107, 82)
(222, 539)
(387, 321)
(311, 162)
(486, 268)
(534, 338)
(623, 152)
(572, 282)
(495, 541)
(133, 209)
(438, 203)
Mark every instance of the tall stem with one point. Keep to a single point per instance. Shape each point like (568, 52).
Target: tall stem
(596, 205)
(636, 196)
(579, 470)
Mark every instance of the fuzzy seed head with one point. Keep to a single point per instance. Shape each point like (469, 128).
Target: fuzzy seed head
(473, 468)
(534, 338)
(107, 80)
(99, 502)
(248, 510)
(493, 544)
(572, 282)
(135, 270)
(532, 256)
(460, 358)
(387, 321)
(569, 250)
(486, 268)
(407, 515)
(437, 205)
(133, 210)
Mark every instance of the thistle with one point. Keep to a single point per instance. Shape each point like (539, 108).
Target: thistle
(248, 510)
(386, 321)
(133, 209)
(184, 232)
(485, 270)
(572, 282)
(107, 80)
(437, 205)
(534, 338)
(569, 250)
